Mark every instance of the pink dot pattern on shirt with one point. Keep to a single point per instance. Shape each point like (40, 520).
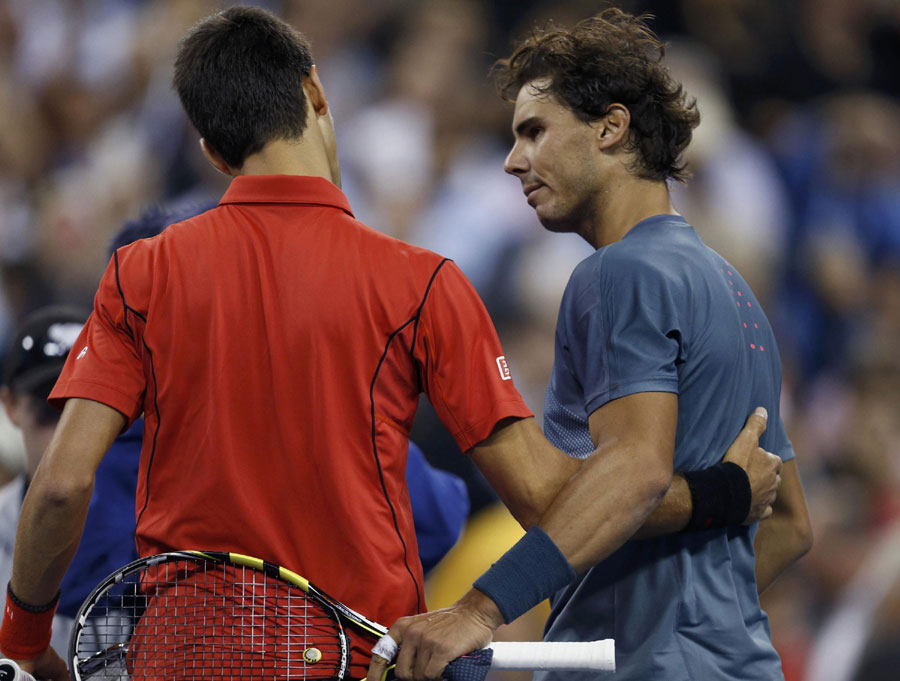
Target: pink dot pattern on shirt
(740, 294)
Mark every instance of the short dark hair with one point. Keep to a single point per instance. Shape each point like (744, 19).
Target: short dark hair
(611, 57)
(239, 75)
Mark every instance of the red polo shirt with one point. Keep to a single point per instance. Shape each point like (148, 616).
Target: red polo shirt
(277, 348)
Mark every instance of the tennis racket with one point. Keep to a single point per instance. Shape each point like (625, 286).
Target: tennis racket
(10, 671)
(214, 616)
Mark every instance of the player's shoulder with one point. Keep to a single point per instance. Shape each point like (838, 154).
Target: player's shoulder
(622, 263)
(626, 270)
(148, 245)
(388, 251)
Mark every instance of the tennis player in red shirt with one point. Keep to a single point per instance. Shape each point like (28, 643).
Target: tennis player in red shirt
(277, 348)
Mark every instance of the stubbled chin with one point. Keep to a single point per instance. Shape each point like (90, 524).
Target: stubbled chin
(550, 222)
(546, 220)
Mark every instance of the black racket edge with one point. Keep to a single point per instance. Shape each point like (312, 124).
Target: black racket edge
(267, 568)
(89, 602)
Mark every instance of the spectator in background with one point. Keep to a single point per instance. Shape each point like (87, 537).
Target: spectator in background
(840, 161)
(735, 196)
(12, 450)
(33, 362)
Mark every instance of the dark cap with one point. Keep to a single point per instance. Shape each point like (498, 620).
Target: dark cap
(43, 340)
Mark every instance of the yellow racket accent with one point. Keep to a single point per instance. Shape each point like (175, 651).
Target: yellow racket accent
(257, 563)
(293, 578)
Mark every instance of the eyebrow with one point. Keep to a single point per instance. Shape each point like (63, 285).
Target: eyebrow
(524, 125)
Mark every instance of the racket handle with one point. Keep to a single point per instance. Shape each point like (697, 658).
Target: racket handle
(555, 655)
(10, 671)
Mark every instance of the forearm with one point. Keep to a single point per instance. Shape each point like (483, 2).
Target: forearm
(541, 469)
(56, 505)
(715, 497)
(787, 534)
(778, 545)
(597, 509)
(603, 505)
(581, 527)
(47, 537)
(758, 474)
(671, 515)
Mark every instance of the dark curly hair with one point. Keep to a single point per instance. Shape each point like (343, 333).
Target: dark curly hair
(611, 57)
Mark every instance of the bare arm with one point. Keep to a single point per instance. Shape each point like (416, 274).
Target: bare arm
(598, 508)
(56, 505)
(527, 472)
(524, 469)
(671, 514)
(787, 535)
(619, 485)
(588, 508)
(763, 470)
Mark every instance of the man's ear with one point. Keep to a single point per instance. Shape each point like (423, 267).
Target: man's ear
(612, 128)
(215, 159)
(315, 93)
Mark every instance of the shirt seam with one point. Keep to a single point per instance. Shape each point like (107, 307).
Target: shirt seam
(78, 381)
(466, 432)
(392, 424)
(642, 385)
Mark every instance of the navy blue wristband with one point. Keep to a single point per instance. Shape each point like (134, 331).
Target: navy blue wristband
(532, 570)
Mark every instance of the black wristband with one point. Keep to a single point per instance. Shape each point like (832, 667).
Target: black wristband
(720, 497)
(27, 606)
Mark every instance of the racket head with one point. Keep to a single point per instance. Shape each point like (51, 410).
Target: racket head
(206, 615)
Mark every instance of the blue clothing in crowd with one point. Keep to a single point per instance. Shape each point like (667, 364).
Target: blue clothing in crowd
(107, 542)
(658, 311)
(440, 506)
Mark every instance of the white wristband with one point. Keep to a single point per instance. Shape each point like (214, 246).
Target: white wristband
(386, 647)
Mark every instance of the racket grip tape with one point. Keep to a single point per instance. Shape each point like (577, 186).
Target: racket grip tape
(10, 671)
(555, 655)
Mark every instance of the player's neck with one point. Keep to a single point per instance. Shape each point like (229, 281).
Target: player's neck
(290, 157)
(623, 204)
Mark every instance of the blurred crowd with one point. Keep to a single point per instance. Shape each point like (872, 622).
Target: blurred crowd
(796, 180)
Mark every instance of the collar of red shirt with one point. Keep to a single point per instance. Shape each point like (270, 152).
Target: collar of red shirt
(285, 189)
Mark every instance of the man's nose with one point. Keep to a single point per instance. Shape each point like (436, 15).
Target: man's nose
(515, 163)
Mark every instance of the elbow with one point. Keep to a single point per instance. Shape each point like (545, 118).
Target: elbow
(63, 493)
(660, 481)
(803, 538)
(530, 507)
(655, 484)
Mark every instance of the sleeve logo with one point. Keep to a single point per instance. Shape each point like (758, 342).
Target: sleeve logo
(504, 368)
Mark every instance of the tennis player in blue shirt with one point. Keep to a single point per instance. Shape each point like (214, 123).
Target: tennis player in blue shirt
(661, 352)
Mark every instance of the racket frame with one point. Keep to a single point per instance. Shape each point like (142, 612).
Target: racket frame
(339, 610)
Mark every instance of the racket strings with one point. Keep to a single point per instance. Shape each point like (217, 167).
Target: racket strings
(203, 620)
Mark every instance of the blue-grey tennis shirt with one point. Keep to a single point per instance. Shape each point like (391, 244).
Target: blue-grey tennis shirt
(658, 311)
